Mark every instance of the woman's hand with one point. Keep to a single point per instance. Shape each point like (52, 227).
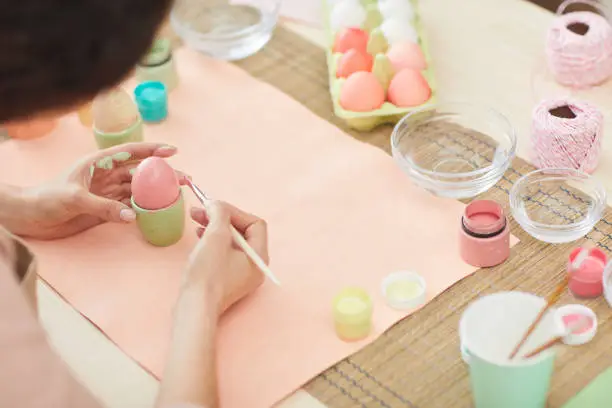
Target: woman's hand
(217, 265)
(95, 190)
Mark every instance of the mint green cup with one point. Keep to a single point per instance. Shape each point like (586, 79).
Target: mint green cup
(490, 328)
(163, 227)
(132, 134)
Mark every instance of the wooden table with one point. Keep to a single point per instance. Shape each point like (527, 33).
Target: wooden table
(484, 51)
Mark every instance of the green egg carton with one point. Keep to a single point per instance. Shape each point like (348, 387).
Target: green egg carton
(387, 113)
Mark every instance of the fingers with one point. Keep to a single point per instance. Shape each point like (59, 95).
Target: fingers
(200, 216)
(219, 216)
(182, 177)
(126, 153)
(103, 208)
(253, 228)
(137, 151)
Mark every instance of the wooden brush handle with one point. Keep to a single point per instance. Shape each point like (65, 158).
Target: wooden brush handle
(529, 331)
(544, 347)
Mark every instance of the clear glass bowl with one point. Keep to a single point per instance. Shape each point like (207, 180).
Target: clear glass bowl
(557, 205)
(455, 150)
(225, 29)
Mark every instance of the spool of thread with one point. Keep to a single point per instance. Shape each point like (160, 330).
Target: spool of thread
(566, 134)
(579, 47)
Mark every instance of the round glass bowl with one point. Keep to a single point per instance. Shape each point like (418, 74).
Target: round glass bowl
(225, 29)
(455, 150)
(557, 205)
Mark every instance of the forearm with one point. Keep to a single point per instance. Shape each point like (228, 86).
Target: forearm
(12, 208)
(191, 370)
(31, 374)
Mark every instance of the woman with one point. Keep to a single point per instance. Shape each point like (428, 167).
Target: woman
(57, 54)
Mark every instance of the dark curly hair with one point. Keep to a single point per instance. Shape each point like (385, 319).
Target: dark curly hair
(55, 54)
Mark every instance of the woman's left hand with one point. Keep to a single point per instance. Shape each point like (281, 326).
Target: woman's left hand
(95, 190)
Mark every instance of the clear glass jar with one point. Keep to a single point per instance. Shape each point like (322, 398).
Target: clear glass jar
(225, 29)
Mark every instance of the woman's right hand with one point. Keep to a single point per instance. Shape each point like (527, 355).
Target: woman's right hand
(217, 265)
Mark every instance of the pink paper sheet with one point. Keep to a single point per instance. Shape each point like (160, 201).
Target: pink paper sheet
(340, 213)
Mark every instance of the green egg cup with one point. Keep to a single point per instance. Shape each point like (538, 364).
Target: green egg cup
(163, 227)
(132, 134)
(387, 113)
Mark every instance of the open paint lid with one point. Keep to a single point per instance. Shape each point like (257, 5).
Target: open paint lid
(404, 290)
(577, 333)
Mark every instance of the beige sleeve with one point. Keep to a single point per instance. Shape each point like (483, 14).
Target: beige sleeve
(32, 375)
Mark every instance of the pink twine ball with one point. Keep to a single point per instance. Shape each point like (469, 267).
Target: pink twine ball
(566, 134)
(579, 49)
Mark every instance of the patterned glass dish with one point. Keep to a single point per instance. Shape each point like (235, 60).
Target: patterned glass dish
(557, 205)
(455, 150)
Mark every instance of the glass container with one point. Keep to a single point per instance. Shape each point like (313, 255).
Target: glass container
(455, 150)
(225, 29)
(557, 205)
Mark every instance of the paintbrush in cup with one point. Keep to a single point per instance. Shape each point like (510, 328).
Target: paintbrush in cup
(581, 324)
(237, 236)
(550, 301)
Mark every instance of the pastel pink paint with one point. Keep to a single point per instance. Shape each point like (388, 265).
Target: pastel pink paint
(574, 318)
(154, 184)
(485, 234)
(587, 280)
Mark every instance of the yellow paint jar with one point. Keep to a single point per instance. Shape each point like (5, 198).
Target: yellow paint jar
(353, 314)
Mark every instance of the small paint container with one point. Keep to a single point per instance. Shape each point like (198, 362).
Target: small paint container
(163, 227)
(570, 314)
(158, 65)
(152, 101)
(587, 281)
(404, 290)
(134, 133)
(484, 239)
(352, 314)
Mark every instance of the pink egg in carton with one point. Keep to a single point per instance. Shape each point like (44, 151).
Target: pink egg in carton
(378, 61)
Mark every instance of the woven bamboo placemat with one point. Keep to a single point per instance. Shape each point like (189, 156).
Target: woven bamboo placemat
(417, 363)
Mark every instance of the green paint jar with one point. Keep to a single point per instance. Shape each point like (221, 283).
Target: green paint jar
(163, 227)
(133, 133)
(164, 73)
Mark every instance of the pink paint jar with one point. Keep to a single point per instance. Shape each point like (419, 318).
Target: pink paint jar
(587, 280)
(484, 239)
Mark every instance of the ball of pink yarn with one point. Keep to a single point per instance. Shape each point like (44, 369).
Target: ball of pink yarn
(579, 49)
(566, 134)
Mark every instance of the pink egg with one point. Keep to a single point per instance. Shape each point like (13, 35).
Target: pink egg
(406, 54)
(351, 38)
(361, 92)
(154, 184)
(354, 61)
(408, 88)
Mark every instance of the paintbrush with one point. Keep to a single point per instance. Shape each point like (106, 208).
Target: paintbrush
(237, 236)
(579, 325)
(550, 301)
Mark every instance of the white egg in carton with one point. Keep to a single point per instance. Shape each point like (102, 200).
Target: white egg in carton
(398, 18)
